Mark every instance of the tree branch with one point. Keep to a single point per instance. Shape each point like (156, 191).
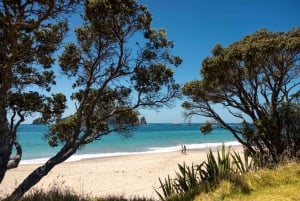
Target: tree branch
(14, 162)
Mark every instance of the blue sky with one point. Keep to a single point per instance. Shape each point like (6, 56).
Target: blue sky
(196, 26)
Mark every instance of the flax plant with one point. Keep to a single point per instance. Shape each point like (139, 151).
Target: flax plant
(216, 168)
(245, 164)
(220, 166)
(167, 187)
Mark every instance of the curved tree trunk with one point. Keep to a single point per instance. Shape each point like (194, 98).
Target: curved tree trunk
(32, 179)
(14, 162)
(6, 142)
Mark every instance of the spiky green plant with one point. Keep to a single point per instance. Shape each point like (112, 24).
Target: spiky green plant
(224, 163)
(186, 179)
(219, 166)
(168, 188)
(243, 164)
(216, 168)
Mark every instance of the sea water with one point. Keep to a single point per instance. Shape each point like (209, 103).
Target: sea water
(149, 138)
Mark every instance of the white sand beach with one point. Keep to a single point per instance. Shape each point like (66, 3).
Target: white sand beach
(121, 175)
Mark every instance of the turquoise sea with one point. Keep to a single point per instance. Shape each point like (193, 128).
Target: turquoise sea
(149, 138)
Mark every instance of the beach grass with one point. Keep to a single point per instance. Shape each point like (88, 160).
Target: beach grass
(279, 184)
(58, 194)
(222, 178)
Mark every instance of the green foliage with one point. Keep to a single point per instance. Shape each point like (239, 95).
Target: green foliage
(30, 101)
(206, 127)
(30, 34)
(218, 167)
(186, 178)
(69, 60)
(252, 79)
(53, 195)
(183, 187)
(281, 183)
(121, 198)
(62, 131)
(118, 65)
(167, 187)
(57, 194)
(246, 163)
(113, 79)
(54, 108)
(289, 114)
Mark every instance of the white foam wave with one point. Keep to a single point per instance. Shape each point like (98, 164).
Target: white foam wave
(193, 146)
(34, 161)
(78, 157)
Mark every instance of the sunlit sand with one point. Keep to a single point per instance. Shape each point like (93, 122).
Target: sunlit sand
(121, 175)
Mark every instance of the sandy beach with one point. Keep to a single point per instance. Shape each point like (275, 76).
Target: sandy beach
(121, 175)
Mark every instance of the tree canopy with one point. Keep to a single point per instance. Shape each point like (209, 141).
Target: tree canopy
(119, 64)
(30, 33)
(254, 79)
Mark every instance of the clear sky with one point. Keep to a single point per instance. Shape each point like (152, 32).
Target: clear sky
(196, 26)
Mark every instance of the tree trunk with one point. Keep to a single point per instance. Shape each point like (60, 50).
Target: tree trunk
(32, 179)
(5, 152)
(6, 142)
(14, 162)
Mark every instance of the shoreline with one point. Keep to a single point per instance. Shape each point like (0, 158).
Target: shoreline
(126, 175)
(86, 156)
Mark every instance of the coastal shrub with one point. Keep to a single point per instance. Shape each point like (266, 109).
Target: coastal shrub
(215, 168)
(54, 194)
(245, 164)
(168, 188)
(183, 187)
(63, 194)
(280, 183)
(122, 198)
(218, 167)
(187, 196)
(186, 178)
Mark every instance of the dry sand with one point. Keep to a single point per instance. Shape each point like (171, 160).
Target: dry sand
(122, 175)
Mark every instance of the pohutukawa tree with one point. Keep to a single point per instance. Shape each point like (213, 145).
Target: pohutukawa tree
(30, 32)
(254, 79)
(119, 64)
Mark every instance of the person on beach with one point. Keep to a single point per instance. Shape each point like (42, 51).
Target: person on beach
(183, 149)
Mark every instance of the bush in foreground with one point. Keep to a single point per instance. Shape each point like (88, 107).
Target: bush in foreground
(280, 183)
(228, 176)
(57, 194)
(190, 181)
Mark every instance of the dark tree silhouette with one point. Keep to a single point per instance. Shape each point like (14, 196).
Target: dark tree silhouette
(119, 64)
(30, 32)
(252, 79)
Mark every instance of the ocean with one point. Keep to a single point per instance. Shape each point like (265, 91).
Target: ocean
(149, 138)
